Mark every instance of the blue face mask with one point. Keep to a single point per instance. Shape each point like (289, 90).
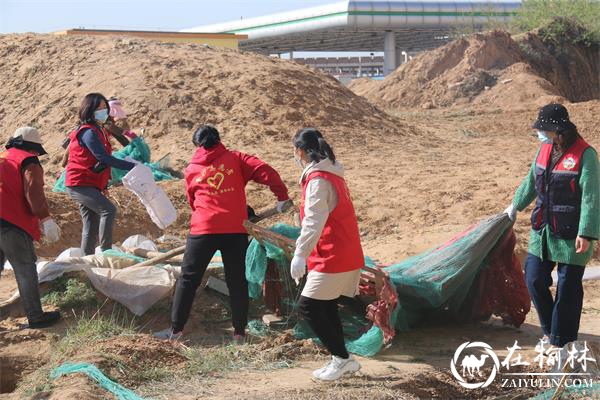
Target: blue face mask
(543, 137)
(101, 115)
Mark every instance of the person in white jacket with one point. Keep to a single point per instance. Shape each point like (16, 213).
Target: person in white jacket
(329, 244)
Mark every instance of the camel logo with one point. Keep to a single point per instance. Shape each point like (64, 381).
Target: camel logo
(471, 365)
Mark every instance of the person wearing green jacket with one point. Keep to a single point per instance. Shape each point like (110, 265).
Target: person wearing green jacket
(564, 180)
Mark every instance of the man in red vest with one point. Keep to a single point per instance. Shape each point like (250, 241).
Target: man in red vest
(24, 217)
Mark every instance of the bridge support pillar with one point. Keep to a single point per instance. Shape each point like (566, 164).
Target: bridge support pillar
(389, 53)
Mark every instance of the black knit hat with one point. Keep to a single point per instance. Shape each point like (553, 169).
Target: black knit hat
(553, 118)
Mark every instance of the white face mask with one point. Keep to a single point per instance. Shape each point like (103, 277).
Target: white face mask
(298, 161)
(543, 137)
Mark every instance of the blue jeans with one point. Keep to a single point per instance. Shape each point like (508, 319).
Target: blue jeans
(559, 317)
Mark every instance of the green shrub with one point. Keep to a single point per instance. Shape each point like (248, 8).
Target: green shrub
(70, 293)
(579, 20)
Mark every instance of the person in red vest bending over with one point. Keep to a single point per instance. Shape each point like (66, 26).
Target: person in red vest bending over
(216, 180)
(329, 244)
(564, 181)
(24, 217)
(89, 170)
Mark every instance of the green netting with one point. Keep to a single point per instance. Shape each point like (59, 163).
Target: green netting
(137, 149)
(256, 258)
(433, 284)
(439, 280)
(120, 254)
(120, 392)
(571, 393)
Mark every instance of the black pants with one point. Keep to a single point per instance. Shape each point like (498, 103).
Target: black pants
(323, 318)
(199, 250)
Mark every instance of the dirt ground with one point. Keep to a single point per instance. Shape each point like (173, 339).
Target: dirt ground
(417, 176)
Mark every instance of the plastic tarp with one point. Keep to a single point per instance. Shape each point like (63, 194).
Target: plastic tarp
(158, 205)
(137, 288)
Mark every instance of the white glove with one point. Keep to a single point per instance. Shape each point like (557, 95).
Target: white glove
(298, 267)
(50, 230)
(512, 213)
(131, 160)
(282, 206)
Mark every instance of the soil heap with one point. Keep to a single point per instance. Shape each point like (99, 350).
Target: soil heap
(170, 89)
(495, 69)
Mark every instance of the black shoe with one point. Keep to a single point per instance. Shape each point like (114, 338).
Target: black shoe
(47, 319)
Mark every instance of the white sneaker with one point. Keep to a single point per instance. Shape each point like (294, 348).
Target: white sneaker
(318, 372)
(167, 334)
(338, 367)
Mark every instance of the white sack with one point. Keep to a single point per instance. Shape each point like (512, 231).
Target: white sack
(139, 242)
(141, 182)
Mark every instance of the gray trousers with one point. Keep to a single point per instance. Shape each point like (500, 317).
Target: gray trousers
(17, 247)
(98, 214)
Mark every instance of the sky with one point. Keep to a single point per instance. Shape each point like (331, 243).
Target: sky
(44, 16)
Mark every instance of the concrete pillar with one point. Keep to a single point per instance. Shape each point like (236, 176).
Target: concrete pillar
(291, 54)
(389, 53)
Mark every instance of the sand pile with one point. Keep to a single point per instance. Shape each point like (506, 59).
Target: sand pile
(170, 89)
(493, 69)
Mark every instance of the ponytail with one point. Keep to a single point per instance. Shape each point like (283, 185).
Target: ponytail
(312, 142)
(206, 136)
(325, 149)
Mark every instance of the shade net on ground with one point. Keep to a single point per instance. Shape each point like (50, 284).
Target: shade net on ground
(471, 277)
(137, 149)
(120, 392)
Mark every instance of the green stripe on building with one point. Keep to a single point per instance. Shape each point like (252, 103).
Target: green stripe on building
(468, 14)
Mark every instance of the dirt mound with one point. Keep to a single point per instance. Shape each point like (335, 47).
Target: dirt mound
(493, 69)
(172, 88)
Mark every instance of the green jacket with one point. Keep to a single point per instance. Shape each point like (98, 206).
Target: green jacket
(560, 250)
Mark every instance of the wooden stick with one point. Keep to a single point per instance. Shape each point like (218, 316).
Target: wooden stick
(163, 257)
(152, 254)
(271, 212)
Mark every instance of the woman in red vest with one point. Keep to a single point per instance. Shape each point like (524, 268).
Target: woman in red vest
(89, 170)
(216, 180)
(329, 244)
(24, 217)
(564, 182)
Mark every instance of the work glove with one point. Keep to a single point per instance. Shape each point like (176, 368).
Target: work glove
(298, 267)
(50, 230)
(511, 211)
(283, 206)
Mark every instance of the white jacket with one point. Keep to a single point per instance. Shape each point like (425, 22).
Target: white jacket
(321, 199)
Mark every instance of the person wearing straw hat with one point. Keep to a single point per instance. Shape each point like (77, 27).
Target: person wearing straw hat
(24, 218)
(564, 181)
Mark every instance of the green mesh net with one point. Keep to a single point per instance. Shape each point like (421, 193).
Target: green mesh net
(137, 149)
(457, 280)
(120, 392)
(572, 393)
(257, 255)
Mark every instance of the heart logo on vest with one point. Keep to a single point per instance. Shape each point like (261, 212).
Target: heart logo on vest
(569, 163)
(216, 181)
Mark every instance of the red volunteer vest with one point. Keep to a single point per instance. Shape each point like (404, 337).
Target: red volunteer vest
(13, 204)
(81, 161)
(218, 195)
(338, 249)
(558, 203)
